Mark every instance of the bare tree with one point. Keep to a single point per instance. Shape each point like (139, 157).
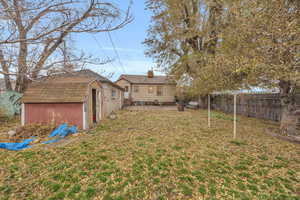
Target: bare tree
(33, 31)
(5, 70)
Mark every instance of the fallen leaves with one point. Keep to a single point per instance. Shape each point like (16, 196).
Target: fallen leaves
(158, 155)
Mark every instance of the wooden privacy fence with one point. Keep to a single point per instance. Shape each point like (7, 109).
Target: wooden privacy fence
(263, 106)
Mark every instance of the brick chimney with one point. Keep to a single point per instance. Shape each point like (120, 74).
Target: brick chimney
(150, 74)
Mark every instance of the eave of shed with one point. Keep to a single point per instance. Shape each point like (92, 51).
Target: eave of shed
(58, 90)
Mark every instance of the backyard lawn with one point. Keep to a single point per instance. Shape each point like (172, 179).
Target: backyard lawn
(158, 155)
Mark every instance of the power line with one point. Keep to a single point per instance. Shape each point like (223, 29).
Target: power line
(101, 49)
(116, 52)
(125, 53)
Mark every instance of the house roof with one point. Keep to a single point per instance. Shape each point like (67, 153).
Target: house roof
(89, 74)
(58, 89)
(141, 79)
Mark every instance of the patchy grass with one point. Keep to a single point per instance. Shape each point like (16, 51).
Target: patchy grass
(223, 116)
(158, 155)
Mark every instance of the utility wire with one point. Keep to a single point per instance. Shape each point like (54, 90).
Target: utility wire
(116, 52)
(125, 53)
(101, 49)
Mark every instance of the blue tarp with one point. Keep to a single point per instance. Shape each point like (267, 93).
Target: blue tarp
(16, 146)
(59, 133)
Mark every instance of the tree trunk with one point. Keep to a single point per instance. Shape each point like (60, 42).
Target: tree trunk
(4, 67)
(290, 112)
(21, 82)
(203, 101)
(215, 12)
(7, 81)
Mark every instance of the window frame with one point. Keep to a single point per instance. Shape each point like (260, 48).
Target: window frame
(126, 88)
(114, 94)
(150, 90)
(136, 89)
(160, 91)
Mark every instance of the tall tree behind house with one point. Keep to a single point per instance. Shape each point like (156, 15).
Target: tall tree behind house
(242, 43)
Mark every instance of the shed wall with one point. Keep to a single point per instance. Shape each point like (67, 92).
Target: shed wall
(123, 83)
(55, 113)
(111, 103)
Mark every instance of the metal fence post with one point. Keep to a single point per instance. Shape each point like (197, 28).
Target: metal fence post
(234, 118)
(209, 111)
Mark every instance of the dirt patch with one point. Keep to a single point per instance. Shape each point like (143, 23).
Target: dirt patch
(275, 132)
(139, 108)
(28, 131)
(33, 130)
(6, 126)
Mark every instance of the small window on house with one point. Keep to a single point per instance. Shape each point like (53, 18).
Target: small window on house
(159, 90)
(150, 90)
(136, 89)
(113, 93)
(126, 89)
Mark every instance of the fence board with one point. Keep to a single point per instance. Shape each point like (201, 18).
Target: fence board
(263, 106)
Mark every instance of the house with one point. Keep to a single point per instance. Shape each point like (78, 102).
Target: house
(149, 89)
(79, 99)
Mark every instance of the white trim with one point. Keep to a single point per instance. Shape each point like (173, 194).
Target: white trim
(100, 104)
(121, 100)
(209, 112)
(23, 114)
(83, 117)
(234, 117)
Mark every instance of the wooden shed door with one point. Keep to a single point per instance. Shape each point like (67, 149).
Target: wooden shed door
(56, 113)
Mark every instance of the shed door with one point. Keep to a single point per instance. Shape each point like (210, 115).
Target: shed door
(57, 113)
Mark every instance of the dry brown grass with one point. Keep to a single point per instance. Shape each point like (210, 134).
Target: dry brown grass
(158, 155)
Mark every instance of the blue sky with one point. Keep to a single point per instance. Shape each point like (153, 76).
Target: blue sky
(128, 42)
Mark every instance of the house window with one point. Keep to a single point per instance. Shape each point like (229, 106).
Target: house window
(150, 90)
(113, 94)
(159, 90)
(136, 89)
(126, 89)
